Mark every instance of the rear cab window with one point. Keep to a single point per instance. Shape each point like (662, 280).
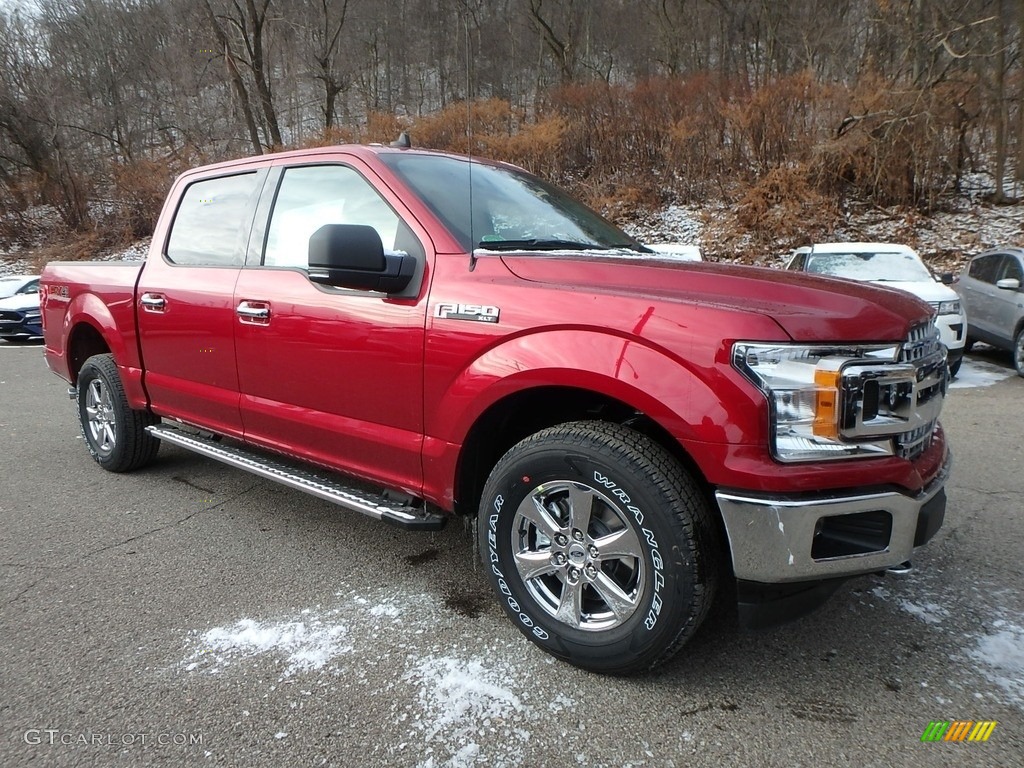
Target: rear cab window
(211, 225)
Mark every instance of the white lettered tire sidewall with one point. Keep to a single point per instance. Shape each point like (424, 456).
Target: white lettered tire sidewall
(670, 602)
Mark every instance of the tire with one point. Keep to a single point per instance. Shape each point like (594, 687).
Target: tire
(954, 369)
(624, 589)
(1018, 352)
(969, 343)
(114, 433)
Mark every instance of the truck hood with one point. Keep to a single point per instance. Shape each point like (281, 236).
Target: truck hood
(927, 290)
(807, 307)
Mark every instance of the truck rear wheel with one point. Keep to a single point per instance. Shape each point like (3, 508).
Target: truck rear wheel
(601, 548)
(115, 434)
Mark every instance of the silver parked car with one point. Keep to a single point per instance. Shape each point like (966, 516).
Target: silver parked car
(990, 288)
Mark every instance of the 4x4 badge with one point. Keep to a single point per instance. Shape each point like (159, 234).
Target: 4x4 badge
(483, 313)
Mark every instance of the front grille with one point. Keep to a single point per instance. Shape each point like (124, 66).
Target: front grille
(922, 341)
(910, 445)
(10, 315)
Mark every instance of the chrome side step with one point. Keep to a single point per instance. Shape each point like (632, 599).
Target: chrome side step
(332, 489)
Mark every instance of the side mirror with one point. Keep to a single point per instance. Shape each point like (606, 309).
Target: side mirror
(352, 256)
(947, 278)
(1008, 284)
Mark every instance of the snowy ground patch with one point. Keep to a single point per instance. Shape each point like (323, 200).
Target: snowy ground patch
(1001, 655)
(463, 701)
(306, 644)
(979, 373)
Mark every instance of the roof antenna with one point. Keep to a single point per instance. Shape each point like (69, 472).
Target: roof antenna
(469, 118)
(403, 141)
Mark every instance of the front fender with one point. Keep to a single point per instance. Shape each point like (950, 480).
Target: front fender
(688, 397)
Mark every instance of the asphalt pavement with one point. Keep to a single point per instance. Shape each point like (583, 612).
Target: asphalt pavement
(191, 614)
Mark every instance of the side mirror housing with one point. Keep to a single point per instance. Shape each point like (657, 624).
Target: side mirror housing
(947, 278)
(352, 256)
(1008, 284)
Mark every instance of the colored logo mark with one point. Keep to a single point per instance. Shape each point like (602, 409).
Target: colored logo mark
(958, 730)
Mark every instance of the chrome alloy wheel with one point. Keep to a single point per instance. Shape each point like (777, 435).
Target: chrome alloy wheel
(1018, 353)
(99, 411)
(578, 555)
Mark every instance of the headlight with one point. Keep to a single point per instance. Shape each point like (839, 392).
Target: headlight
(802, 384)
(946, 307)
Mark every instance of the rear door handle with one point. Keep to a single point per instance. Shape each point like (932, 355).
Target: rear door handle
(253, 312)
(153, 302)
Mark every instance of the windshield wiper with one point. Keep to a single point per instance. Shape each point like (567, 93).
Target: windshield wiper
(538, 244)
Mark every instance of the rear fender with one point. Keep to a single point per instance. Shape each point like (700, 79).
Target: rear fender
(87, 309)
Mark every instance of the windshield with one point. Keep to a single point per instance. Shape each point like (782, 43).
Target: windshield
(10, 285)
(883, 266)
(511, 209)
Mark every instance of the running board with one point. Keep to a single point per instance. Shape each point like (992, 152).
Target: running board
(330, 488)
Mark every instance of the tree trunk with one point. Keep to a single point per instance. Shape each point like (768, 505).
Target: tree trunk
(236, 80)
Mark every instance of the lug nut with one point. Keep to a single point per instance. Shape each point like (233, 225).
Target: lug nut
(574, 574)
(561, 540)
(559, 559)
(593, 551)
(577, 535)
(591, 571)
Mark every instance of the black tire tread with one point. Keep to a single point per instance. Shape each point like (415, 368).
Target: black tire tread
(137, 447)
(691, 514)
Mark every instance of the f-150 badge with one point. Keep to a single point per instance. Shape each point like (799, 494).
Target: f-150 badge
(482, 313)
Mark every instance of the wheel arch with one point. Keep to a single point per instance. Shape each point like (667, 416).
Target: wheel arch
(527, 411)
(84, 341)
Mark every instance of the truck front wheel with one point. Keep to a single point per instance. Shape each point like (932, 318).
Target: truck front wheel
(599, 545)
(115, 434)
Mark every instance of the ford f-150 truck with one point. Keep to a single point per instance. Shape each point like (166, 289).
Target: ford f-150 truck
(415, 335)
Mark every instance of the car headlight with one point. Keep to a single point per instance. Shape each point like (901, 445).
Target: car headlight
(802, 384)
(946, 307)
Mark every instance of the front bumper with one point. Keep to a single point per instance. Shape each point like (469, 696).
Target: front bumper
(952, 332)
(777, 540)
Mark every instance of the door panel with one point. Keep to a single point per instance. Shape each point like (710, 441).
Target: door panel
(1006, 304)
(333, 375)
(188, 345)
(336, 376)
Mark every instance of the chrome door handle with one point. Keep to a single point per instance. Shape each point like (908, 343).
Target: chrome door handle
(153, 302)
(253, 312)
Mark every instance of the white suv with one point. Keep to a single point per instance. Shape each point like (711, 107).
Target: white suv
(895, 266)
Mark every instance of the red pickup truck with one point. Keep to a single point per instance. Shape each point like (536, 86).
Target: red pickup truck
(415, 335)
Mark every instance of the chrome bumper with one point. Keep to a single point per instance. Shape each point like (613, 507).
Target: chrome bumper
(772, 539)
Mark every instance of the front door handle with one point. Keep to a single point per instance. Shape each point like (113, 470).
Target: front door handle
(153, 302)
(254, 312)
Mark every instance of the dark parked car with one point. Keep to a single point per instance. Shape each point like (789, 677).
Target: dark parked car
(990, 288)
(19, 316)
(11, 285)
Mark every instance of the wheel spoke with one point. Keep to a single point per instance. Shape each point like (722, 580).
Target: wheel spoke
(108, 435)
(618, 601)
(581, 504)
(622, 543)
(534, 564)
(570, 606)
(533, 510)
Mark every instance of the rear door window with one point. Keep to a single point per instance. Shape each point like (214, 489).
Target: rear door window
(211, 226)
